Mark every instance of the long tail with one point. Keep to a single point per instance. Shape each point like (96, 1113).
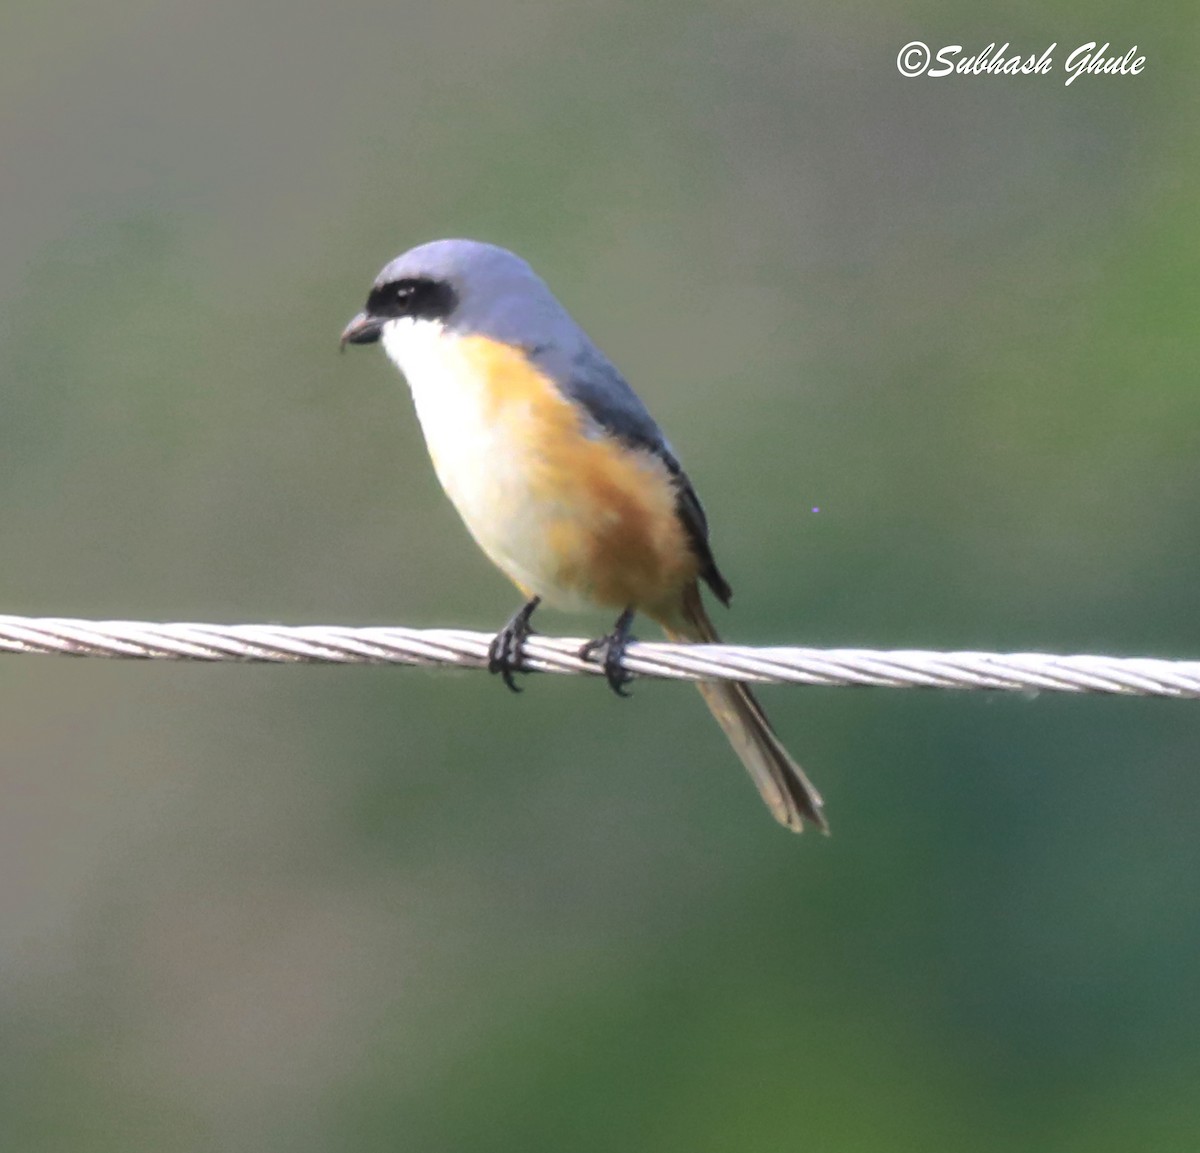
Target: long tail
(781, 782)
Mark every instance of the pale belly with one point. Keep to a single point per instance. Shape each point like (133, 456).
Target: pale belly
(491, 475)
(565, 516)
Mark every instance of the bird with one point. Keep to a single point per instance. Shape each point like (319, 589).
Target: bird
(561, 475)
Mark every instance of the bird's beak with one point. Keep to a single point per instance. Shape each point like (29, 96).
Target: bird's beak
(363, 329)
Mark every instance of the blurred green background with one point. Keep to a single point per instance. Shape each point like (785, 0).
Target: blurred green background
(365, 909)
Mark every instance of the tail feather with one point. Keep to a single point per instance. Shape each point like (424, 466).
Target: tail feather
(781, 782)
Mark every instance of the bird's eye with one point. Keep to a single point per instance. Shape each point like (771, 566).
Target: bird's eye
(419, 297)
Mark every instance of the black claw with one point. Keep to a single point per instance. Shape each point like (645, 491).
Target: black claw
(506, 653)
(612, 647)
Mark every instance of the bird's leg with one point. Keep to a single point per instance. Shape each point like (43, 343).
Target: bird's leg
(506, 653)
(612, 648)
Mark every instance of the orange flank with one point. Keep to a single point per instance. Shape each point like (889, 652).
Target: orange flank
(607, 510)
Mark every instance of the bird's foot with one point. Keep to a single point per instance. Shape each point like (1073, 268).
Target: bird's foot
(611, 650)
(506, 653)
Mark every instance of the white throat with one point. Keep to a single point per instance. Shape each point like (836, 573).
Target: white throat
(448, 396)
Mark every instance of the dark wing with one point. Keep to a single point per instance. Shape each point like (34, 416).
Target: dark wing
(615, 407)
(691, 512)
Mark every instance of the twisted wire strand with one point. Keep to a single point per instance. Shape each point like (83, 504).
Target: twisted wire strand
(335, 644)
